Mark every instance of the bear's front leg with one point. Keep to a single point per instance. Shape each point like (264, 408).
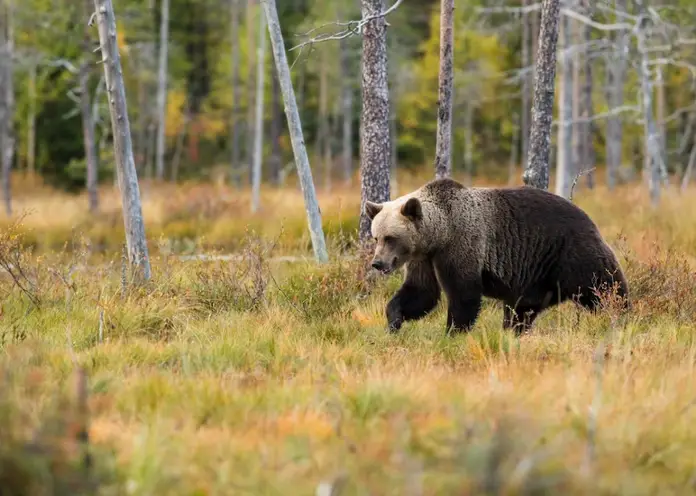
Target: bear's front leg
(463, 287)
(416, 298)
(462, 313)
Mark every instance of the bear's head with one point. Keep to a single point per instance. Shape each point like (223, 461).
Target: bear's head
(395, 228)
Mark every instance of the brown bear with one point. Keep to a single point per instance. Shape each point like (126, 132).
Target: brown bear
(524, 246)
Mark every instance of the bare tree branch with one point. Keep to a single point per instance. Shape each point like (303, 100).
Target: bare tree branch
(352, 28)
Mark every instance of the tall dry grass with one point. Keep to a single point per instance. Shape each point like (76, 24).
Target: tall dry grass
(254, 376)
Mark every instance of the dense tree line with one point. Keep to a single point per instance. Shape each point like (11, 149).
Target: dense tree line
(209, 99)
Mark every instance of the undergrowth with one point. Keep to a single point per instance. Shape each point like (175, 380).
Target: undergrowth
(264, 371)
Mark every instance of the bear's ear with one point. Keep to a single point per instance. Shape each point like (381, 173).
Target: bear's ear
(412, 209)
(372, 209)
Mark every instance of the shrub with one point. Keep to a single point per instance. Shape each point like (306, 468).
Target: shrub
(239, 284)
(665, 283)
(320, 292)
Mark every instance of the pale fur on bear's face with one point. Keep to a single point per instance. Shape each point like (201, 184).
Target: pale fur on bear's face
(395, 231)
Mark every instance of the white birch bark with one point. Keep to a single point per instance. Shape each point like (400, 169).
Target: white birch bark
(162, 89)
(564, 158)
(295, 126)
(7, 101)
(136, 243)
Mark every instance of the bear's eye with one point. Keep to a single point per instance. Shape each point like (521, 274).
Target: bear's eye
(388, 239)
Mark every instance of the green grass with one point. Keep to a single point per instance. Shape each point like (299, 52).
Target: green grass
(265, 377)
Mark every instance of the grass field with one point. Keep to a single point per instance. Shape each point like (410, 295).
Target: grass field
(259, 376)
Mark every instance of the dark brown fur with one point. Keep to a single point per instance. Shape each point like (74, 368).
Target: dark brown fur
(527, 247)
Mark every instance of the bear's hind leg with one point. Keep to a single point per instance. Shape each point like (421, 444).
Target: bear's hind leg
(416, 298)
(520, 320)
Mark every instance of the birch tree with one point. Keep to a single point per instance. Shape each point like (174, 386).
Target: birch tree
(654, 154)
(162, 89)
(564, 157)
(536, 173)
(7, 100)
(295, 126)
(136, 243)
(374, 122)
(443, 146)
(258, 131)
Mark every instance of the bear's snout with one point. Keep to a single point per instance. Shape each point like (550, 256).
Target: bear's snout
(379, 265)
(384, 267)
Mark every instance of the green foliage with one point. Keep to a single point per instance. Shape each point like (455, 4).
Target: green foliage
(487, 57)
(480, 61)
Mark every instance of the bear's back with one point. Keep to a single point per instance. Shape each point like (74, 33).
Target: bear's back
(530, 234)
(540, 210)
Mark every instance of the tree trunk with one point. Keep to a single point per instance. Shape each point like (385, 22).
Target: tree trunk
(235, 169)
(347, 98)
(374, 122)
(88, 134)
(258, 131)
(652, 135)
(577, 126)
(616, 75)
(123, 148)
(295, 126)
(162, 89)
(536, 18)
(526, 86)
(443, 145)
(251, 60)
(31, 124)
(564, 164)
(7, 101)
(587, 112)
(536, 173)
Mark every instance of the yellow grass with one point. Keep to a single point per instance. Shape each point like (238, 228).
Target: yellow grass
(196, 388)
